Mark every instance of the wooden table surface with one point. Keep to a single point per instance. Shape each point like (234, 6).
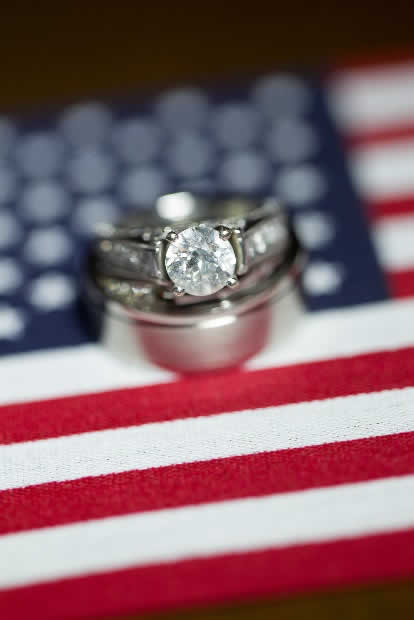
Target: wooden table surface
(63, 51)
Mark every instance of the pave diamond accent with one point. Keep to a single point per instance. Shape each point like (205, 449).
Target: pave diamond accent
(199, 261)
(266, 237)
(129, 255)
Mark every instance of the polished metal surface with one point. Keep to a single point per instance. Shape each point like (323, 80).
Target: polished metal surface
(212, 345)
(218, 344)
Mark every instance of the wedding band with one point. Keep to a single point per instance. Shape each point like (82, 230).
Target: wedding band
(225, 324)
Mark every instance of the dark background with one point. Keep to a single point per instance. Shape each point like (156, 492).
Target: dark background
(62, 51)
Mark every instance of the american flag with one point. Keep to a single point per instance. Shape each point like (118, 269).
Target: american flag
(124, 488)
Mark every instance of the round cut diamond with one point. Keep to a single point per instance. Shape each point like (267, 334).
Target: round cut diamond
(199, 261)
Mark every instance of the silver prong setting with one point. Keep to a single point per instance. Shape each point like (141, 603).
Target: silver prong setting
(177, 291)
(225, 232)
(233, 282)
(171, 236)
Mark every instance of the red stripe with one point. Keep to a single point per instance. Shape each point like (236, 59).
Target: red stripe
(401, 283)
(207, 395)
(236, 477)
(403, 205)
(375, 62)
(380, 136)
(269, 573)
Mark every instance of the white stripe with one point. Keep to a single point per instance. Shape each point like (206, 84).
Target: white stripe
(374, 99)
(210, 529)
(71, 370)
(394, 238)
(384, 171)
(297, 337)
(204, 438)
(339, 333)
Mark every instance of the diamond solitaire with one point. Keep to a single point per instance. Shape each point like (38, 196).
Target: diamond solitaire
(200, 260)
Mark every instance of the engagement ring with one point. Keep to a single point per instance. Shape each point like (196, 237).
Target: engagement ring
(194, 277)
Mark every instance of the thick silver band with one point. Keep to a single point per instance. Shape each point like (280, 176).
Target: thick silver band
(196, 337)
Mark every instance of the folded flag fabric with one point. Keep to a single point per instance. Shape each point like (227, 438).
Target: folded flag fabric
(124, 488)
